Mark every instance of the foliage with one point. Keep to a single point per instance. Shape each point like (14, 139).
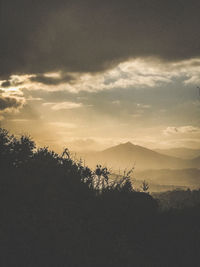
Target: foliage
(145, 186)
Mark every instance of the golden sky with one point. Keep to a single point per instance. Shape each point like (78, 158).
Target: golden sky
(94, 74)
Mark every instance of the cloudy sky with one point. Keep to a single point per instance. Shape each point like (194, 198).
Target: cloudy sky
(91, 74)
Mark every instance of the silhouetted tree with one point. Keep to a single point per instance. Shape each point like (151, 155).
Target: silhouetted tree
(145, 186)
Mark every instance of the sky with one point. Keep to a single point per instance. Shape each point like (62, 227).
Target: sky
(91, 74)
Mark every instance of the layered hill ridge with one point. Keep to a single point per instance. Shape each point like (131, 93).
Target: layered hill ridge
(196, 162)
(180, 152)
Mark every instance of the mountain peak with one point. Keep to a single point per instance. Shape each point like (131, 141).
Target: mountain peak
(128, 143)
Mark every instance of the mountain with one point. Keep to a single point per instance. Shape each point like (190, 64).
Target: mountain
(180, 152)
(128, 155)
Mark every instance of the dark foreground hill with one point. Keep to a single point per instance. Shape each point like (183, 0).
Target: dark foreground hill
(57, 212)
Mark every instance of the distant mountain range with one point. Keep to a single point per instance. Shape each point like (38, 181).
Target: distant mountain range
(167, 177)
(180, 152)
(128, 155)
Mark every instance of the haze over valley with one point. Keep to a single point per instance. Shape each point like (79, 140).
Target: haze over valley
(161, 171)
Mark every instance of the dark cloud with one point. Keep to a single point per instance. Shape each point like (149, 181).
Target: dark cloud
(91, 35)
(10, 83)
(9, 102)
(52, 80)
(6, 84)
